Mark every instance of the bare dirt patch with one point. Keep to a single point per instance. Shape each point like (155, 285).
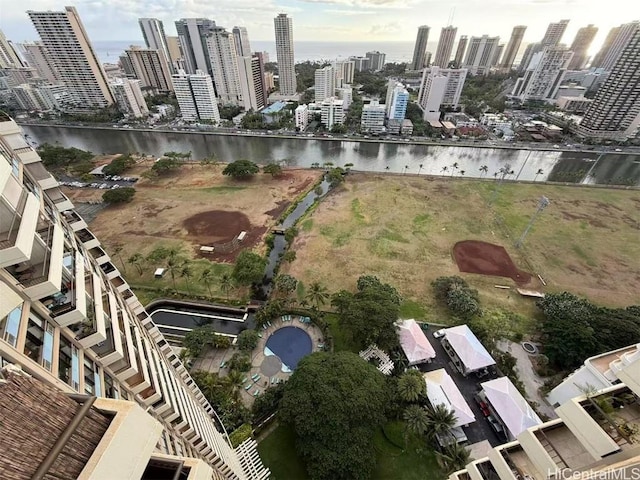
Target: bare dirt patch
(216, 226)
(487, 259)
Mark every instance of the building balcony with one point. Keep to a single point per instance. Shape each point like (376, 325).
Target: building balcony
(109, 270)
(92, 330)
(99, 255)
(152, 394)
(141, 381)
(628, 371)
(40, 174)
(45, 277)
(111, 350)
(59, 199)
(75, 221)
(128, 366)
(87, 238)
(19, 213)
(512, 463)
(69, 305)
(8, 126)
(119, 284)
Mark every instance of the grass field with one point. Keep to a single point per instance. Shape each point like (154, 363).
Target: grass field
(403, 228)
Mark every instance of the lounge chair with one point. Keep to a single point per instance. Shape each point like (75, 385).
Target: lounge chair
(248, 387)
(260, 335)
(222, 364)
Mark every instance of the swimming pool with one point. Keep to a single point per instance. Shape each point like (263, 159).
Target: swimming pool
(290, 344)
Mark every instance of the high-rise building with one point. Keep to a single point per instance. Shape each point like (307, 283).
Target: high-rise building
(262, 59)
(497, 55)
(269, 81)
(511, 50)
(8, 56)
(70, 320)
(396, 100)
(554, 33)
(284, 51)
(580, 45)
(361, 63)
(614, 44)
(250, 71)
(324, 85)
(149, 66)
(175, 55)
(440, 87)
(73, 57)
(302, 117)
(376, 60)
(344, 70)
(445, 47)
(345, 93)
(29, 98)
(154, 37)
(332, 112)
(14, 76)
(372, 118)
(221, 50)
(615, 110)
(544, 75)
(36, 55)
(460, 51)
(196, 96)
(528, 54)
(480, 54)
(192, 34)
(420, 48)
(241, 40)
(128, 96)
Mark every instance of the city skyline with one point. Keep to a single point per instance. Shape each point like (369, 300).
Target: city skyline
(339, 20)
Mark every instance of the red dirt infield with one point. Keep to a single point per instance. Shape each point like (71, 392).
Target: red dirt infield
(473, 256)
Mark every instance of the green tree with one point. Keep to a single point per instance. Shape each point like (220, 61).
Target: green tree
(267, 404)
(273, 169)
(207, 277)
(249, 268)
(241, 169)
(411, 386)
(289, 256)
(335, 403)
(119, 165)
(441, 420)
(137, 260)
(198, 339)
(416, 418)
(248, 340)
(119, 195)
(186, 272)
(335, 176)
(286, 284)
(165, 165)
(226, 284)
(240, 362)
(454, 457)
(464, 302)
(317, 294)
(174, 265)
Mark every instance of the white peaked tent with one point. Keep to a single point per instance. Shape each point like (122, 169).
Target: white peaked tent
(468, 348)
(442, 390)
(514, 411)
(414, 342)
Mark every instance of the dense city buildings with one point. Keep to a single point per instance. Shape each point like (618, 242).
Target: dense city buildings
(324, 85)
(196, 96)
(360, 63)
(420, 48)
(344, 70)
(376, 60)
(221, 50)
(481, 54)
(302, 117)
(285, 56)
(36, 55)
(154, 37)
(149, 66)
(513, 46)
(544, 75)
(332, 112)
(460, 51)
(552, 37)
(175, 55)
(396, 100)
(580, 46)
(73, 57)
(251, 77)
(445, 47)
(192, 34)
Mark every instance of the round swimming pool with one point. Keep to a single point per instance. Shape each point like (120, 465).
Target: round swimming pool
(290, 344)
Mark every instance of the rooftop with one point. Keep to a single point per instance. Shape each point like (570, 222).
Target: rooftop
(274, 107)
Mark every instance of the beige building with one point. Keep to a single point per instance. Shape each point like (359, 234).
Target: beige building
(175, 54)
(150, 67)
(37, 57)
(129, 97)
(69, 319)
(284, 51)
(8, 56)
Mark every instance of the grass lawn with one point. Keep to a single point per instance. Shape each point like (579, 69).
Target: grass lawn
(403, 228)
(278, 452)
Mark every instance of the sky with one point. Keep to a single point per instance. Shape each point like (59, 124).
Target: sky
(333, 20)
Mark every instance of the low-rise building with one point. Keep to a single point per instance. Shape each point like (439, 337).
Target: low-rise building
(271, 113)
(414, 342)
(574, 104)
(467, 353)
(345, 93)
(372, 118)
(461, 120)
(302, 117)
(332, 111)
(495, 120)
(407, 127)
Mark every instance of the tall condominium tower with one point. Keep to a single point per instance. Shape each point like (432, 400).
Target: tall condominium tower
(511, 50)
(376, 60)
(70, 320)
(196, 96)
(543, 75)
(74, 58)
(325, 84)
(150, 67)
(497, 55)
(344, 70)
(554, 33)
(154, 37)
(440, 87)
(398, 98)
(36, 55)
(615, 42)
(580, 45)
(128, 95)
(480, 54)
(615, 110)
(252, 88)
(460, 51)
(284, 52)
(175, 55)
(221, 50)
(8, 56)
(192, 33)
(241, 40)
(420, 48)
(445, 47)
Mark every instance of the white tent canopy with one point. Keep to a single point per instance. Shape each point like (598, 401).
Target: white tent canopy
(414, 343)
(442, 390)
(468, 348)
(510, 405)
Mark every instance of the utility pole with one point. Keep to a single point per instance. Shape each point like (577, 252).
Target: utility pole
(542, 204)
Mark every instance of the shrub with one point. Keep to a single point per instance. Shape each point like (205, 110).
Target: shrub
(240, 434)
(119, 195)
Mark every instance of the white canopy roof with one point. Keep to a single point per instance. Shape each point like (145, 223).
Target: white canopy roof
(414, 342)
(510, 405)
(442, 390)
(468, 348)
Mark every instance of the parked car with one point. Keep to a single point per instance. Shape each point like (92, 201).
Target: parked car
(439, 333)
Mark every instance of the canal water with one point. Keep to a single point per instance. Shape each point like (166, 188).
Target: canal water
(528, 165)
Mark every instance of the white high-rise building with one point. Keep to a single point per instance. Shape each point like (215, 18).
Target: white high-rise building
(73, 57)
(284, 51)
(445, 47)
(332, 112)
(376, 60)
(325, 85)
(511, 50)
(251, 83)
(192, 34)
(396, 100)
(241, 40)
(614, 44)
(544, 75)
(580, 46)
(128, 96)
(150, 67)
(37, 57)
(196, 96)
(30, 98)
(480, 54)
(344, 71)
(302, 117)
(345, 93)
(554, 33)
(154, 37)
(8, 56)
(69, 319)
(440, 87)
(372, 118)
(221, 49)
(420, 48)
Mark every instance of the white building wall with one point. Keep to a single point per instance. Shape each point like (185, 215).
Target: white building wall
(302, 117)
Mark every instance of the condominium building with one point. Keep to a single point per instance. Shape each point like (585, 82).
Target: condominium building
(376, 60)
(511, 50)
(251, 83)
(8, 56)
(420, 48)
(372, 118)
(344, 71)
(149, 66)
(37, 57)
(615, 111)
(324, 84)
(221, 50)
(445, 47)
(70, 320)
(440, 87)
(192, 34)
(614, 44)
(498, 54)
(460, 51)
(302, 117)
(580, 45)
(196, 96)
(332, 112)
(155, 39)
(29, 98)
(128, 96)
(241, 41)
(269, 81)
(175, 55)
(396, 100)
(14, 76)
(554, 33)
(345, 93)
(361, 63)
(480, 54)
(73, 57)
(592, 436)
(544, 75)
(57, 96)
(263, 58)
(284, 51)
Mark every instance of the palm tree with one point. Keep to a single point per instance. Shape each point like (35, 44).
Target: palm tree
(317, 294)
(234, 380)
(406, 167)
(207, 276)
(539, 172)
(387, 167)
(136, 260)
(187, 273)
(454, 167)
(410, 387)
(117, 248)
(226, 284)
(417, 421)
(444, 169)
(441, 420)
(462, 172)
(453, 458)
(419, 169)
(483, 170)
(174, 264)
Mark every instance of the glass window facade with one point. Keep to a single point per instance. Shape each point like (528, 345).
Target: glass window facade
(34, 343)
(10, 326)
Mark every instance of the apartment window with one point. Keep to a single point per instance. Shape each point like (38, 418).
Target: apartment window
(47, 348)
(75, 368)
(15, 167)
(34, 343)
(65, 360)
(110, 390)
(10, 326)
(89, 376)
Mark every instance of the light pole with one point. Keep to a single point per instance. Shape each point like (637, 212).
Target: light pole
(542, 204)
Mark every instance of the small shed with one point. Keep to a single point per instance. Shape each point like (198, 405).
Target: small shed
(159, 273)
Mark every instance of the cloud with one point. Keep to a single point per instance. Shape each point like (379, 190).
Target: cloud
(385, 29)
(380, 4)
(349, 13)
